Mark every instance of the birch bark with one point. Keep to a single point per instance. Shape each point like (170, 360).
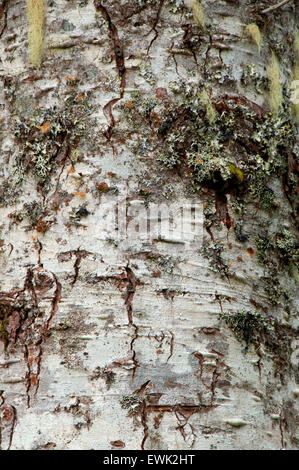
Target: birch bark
(111, 341)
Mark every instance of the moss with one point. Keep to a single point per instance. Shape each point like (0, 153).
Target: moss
(237, 172)
(260, 192)
(36, 19)
(275, 92)
(253, 31)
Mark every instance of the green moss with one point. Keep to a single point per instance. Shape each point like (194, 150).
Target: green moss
(236, 171)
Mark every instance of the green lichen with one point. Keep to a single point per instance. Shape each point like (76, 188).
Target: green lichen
(106, 374)
(227, 145)
(213, 252)
(247, 326)
(275, 88)
(78, 213)
(253, 328)
(276, 294)
(9, 193)
(280, 247)
(145, 72)
(132, 403)
(278, 252)
(250, 76)
(31, 212)
(48, 136)
(253, 31)
(239, 152)
(197, 11)
(296, 76)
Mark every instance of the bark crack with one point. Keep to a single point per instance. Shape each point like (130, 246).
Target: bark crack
(9, 413)
(79, 254)
(120, 64)
(155, 25)
(3, 12)
(132, 282)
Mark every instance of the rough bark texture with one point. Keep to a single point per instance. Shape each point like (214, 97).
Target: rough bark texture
(111, 343)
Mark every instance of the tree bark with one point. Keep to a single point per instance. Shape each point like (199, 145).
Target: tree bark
(112, 341)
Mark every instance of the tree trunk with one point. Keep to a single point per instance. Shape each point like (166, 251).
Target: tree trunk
(118, 116)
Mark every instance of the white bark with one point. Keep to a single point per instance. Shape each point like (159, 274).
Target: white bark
(113, 343)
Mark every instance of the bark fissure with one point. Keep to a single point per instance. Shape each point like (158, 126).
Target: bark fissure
(120, 64)
(132, 282)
